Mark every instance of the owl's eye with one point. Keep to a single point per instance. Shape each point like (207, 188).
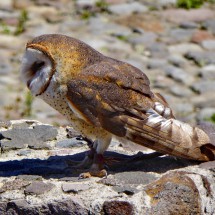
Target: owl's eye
(37, 66)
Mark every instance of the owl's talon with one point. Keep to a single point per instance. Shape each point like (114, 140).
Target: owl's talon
(94, 173)
(84, 175)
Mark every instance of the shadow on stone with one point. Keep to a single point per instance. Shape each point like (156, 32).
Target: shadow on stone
(57, 166)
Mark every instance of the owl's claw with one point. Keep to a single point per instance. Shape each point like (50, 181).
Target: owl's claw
(95, 173)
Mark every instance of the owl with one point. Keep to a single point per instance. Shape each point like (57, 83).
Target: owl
(104, 98)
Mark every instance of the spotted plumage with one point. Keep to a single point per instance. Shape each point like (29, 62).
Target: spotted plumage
(104, 97)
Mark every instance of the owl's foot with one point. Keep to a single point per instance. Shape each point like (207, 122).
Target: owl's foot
(96, 169)
(94, 173)
(88, 159)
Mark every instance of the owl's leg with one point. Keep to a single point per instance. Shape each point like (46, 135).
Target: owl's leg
(88, 159)
(97, 167)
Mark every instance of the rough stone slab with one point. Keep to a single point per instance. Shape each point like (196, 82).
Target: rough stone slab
(14, 185)
(69, 206)
(137, 177)
(69, 143)
(3, 208)
(45, 132)
(203, 86)
(72, 205)
(201, 58)
(74, 188)
(116, 207)
(128, 190)
(172, 193)
(38, 188)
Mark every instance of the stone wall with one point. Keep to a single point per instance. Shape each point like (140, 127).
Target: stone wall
(37, 177)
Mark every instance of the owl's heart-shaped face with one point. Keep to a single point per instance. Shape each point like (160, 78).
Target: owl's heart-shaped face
(37, 70)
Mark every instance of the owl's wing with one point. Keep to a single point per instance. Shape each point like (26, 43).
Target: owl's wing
(117, 98)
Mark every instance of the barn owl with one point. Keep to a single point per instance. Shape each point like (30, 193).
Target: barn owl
(105, 98)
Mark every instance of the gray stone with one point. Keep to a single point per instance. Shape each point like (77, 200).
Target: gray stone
(18, 138)
(3, 207)
(30, 177)
(128, 190)
(210, 25)
(184, 48)
(206, 100)
(158, 50)
(178, 74)
(24, 152)
(208, 44)
(69, 206)
(201, 58)
(146, 39)
(173, 193)
(203, 86)
(74, 187)
(72, 25)
(19, 206)
(21, 125)
(156, 63)
(118, 207)
(127, 8)
(205, 113)
(109, 181)
(21, 137)
(69, 143)
(20, 203)
(38, 188)
(189, 25)
(45, 132)
(131, 178)
(85, 3)
(183, 108)
(6, 5)
(16, 184)
(163, 82)
(5, 124)
(10, 42)
(100, 26)
(180, 91)
(181, 35)
(208, 72)
(177, 60)
(5, 69)
(166, 3)
(72, 179)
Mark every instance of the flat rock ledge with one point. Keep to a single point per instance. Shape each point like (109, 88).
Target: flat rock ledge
(37, 177)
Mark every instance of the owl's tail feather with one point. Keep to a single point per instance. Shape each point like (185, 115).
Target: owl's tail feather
(209, 129)
(169, 136)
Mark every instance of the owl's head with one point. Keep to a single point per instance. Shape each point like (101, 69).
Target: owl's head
(38, 66)
(50, 53)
